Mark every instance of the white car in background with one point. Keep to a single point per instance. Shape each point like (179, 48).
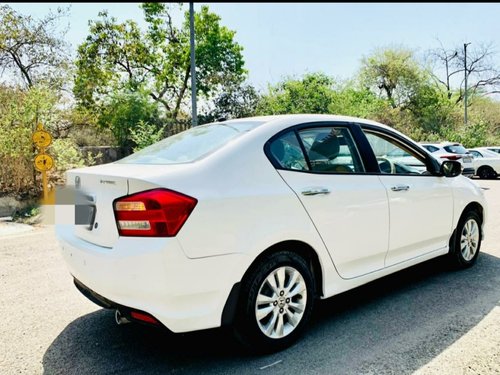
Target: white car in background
(486, 163)
(248, 222)
(452, 151)
(495, 149)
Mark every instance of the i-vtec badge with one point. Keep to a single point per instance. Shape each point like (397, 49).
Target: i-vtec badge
(77, 182)
(107, 182)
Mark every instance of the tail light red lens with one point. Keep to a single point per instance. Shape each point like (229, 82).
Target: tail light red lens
(153, 213)
(451, 157)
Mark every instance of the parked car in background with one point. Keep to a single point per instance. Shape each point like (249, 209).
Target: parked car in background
(452, 151)
(486, 163)
(494, 149)
(246, 223)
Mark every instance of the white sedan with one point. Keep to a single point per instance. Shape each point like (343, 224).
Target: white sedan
(486, 162)
(247, 222)
(495, 149)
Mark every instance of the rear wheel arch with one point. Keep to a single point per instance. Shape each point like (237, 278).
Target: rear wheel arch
(300, 248)
(271, 315)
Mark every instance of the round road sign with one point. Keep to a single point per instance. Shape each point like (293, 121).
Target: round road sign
(42, 139)
(43, 162)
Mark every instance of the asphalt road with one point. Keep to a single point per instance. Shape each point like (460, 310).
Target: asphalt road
(426, 320)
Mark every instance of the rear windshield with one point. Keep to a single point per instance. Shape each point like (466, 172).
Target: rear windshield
(430, 148)
(456, 149)
(190, 145)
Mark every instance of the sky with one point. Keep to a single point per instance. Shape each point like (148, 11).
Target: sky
(291, 39)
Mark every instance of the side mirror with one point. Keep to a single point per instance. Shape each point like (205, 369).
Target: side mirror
(451, 168)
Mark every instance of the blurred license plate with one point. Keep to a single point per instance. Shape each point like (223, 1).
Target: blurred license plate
(85, 215)
(467, 159)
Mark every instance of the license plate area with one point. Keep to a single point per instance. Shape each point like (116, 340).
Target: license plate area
(85, 212)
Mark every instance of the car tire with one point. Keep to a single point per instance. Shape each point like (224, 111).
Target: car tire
(466, 241)
(486, 172)
(271, 317)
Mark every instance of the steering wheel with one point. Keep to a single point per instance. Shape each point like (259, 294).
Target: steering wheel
(386, 166)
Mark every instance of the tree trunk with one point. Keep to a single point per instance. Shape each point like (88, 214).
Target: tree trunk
(181, 94)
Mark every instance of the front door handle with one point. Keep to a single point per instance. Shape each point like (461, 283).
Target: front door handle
(400, 188)
(316, 191)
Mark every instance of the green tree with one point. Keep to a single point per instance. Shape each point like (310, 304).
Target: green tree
(120, 57)
(311, 94)
(32, 50)
(318, 93)
(351, 101)
(234, 101)
(123, 111)
(394, 74)
(145, 134)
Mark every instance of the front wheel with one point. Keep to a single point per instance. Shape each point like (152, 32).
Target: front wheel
(467, 240)
(276, 302)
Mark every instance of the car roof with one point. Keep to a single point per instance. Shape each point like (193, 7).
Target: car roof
(442, 144)
(301, 117)
(284, 121)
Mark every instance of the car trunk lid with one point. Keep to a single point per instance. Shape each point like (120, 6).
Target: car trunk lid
(98, 187)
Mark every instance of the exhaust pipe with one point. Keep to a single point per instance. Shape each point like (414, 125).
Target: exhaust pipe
(120, 319)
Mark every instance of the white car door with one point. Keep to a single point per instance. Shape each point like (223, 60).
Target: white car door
(421, 205)
(347, 206)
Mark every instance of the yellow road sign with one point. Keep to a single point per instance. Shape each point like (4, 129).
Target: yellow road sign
(43, 162)
(42, 139)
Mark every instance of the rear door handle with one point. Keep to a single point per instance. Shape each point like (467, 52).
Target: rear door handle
(315, 191)
(400, 188)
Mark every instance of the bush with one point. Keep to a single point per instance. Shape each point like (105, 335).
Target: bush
(471, 135)
(89, 135)
(67, 156)
(19, 112)
(124, 111)
(145, 134)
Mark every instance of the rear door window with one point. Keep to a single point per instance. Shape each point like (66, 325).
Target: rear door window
(331, 150)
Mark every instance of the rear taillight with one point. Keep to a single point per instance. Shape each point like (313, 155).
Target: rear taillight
(152, 213)
(451, 157)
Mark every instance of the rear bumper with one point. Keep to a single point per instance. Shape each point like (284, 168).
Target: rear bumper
(153, 275)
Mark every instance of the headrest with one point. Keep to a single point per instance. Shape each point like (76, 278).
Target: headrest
(327, 146)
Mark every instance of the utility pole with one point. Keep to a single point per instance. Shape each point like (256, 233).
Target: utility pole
(193, 66)
(466, 75)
